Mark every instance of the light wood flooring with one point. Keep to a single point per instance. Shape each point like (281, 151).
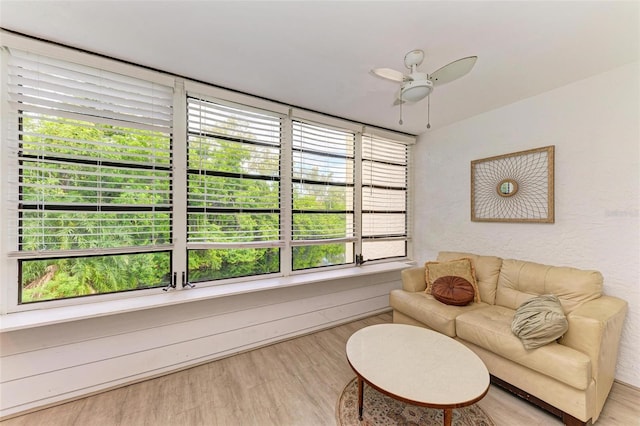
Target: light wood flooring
(296, 382)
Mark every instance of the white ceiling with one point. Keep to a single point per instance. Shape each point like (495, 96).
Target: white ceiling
(317, 55)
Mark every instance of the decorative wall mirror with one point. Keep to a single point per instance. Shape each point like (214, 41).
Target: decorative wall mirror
(507, 188)
(516, 187)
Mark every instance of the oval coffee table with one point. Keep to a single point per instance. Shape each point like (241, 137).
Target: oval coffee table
(417, 366)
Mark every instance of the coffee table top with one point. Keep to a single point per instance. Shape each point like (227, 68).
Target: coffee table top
(418, 365)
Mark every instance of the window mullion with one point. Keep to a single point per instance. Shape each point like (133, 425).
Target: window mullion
(179, 258)
(286, 196)
(409, 202)
(357, 207)
(8, 191)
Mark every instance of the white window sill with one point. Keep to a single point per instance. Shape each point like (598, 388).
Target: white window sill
(43, 317)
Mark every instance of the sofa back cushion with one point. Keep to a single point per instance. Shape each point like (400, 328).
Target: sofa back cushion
(520, 281)
(487, 269)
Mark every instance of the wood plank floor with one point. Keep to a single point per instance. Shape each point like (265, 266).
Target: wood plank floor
(296, 382)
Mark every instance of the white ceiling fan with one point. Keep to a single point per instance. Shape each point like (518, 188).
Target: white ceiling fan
(417, 85)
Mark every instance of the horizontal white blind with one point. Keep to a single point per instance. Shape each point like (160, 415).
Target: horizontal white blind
(42, 84)
(94, 153)
(384, 197)
(233, 194)
(323, 183)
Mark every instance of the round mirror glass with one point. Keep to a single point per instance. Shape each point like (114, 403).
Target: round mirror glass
(507, 187)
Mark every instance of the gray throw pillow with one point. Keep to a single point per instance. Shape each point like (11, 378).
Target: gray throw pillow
(539, 321)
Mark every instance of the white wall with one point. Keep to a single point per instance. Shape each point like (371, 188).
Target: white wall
(46, 365)
(594, 125)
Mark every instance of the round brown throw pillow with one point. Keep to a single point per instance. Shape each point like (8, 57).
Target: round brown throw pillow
(453, 290)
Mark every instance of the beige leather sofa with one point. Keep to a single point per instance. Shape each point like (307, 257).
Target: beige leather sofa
(571, 377)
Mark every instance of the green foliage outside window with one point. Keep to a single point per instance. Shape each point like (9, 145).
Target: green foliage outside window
(83, 276)
(209, 265)
(57, 169)
(72, 179)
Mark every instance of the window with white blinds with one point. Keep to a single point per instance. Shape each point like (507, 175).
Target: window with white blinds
(384, 198)
(117, 178)
(233, 187)
(323, 176)
(94, 166)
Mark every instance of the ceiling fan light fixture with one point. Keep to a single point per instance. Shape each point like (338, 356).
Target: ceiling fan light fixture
(415, 90)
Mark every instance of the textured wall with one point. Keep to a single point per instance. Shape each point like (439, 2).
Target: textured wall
(594, 125)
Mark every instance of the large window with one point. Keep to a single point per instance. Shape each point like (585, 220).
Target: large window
(94, 171)
(123, 179)
(323, 191)
(233, 191)
(384, 198)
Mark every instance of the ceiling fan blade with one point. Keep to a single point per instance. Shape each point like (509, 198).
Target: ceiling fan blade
(388, 74)
(453, 71)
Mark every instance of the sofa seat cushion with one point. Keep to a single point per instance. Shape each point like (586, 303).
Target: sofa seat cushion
(426, 309)
(490, 328)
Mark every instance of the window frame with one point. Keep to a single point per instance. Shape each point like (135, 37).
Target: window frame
(219, 106)
(182, 86)
(351, 236)
(392, 162)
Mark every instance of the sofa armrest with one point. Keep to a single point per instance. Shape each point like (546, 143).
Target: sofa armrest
(413, 279)
(594, 329)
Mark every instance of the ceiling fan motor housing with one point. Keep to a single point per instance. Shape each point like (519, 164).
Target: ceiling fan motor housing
(415, 90)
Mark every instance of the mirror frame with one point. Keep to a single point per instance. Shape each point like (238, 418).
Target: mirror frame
(532, 174)
(511, 193)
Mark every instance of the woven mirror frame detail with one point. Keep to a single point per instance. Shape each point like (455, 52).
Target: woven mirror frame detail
(516, 187)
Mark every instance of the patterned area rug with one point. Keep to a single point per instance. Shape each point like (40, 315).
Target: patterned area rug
(381, 410)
